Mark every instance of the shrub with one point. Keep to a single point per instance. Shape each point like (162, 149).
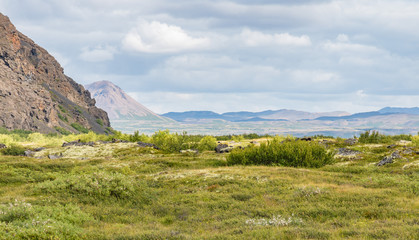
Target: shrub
(21, 220)
(96, 185)
(63, 118)
(90, 137)
(207, 143)
(99, 121)
(168, 142)
(63, 110)
(6, 139)
(374, 137)
(62, 131)
(137, 137)
(289, 153)
(237, 138)
(79, 128)
(14, 150)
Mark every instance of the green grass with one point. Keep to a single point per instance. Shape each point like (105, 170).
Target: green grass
(121, 191)
(79, 128)
(99, 121)
(63, 118)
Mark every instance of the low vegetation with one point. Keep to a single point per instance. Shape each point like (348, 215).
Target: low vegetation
(288, 153)
(267, 188)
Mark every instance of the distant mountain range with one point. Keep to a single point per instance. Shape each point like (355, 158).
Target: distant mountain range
(269, 116)
(128, 115)
(119, 105)
(385, 112)
(285, 115)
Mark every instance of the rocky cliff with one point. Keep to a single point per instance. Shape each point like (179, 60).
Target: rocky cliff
(36, 95)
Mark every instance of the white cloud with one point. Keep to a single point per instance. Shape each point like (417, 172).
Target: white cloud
(157, 37)
(342, 38)
(98, 54)
(256, 39)
(314, 77)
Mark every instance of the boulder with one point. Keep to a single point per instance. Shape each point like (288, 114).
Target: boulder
(220, 146)
(308, 139)
(226, 150)
(351, 141)
(78, 143)
(386, 160)
(53, 157)
(29, 153)
(347, 152)
(389, 159)
(143, 144)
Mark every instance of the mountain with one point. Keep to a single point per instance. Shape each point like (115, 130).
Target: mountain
(118, 104)
(413, 111)
(34, 92)
(384, 112)
(192, 115)
(278, 115)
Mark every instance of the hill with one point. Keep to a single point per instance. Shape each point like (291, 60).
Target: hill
(34, 92)
(118, 104)
(268, 116)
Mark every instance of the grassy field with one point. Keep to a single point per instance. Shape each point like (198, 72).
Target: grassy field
(122, 191)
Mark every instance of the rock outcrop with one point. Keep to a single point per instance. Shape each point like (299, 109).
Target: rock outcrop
(36, 95)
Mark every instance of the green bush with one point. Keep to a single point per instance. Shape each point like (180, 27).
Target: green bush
(374, 137)
(208, 143)
(79, 128)
(99, 185)
(288, 153)
(137, 137)
(63, 118)
(14, 150)
(168, 142)
(62, 131)
(99, 121)
(63, 110)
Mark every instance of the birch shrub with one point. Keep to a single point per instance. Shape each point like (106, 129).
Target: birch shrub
(288, 153)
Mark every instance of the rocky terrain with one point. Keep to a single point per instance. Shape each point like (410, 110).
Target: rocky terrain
(119, 105)
(35, 94)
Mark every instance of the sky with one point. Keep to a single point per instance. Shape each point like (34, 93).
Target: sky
(231, 55)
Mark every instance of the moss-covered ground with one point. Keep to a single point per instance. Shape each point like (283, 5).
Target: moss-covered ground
(122, 191)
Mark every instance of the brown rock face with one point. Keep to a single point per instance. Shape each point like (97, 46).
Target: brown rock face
(34, 92)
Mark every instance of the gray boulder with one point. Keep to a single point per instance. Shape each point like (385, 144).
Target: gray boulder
(143, 144)
(78, 143)
(53, 157)
(347, 152)
(219, 147)
(29, 153)
(351, 141)
(389, 159)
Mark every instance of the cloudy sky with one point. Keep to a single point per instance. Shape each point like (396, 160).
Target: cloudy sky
(231, 55)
